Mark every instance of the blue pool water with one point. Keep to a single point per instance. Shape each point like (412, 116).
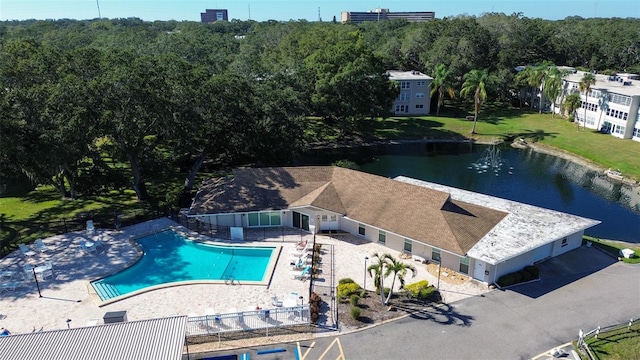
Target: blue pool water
(169, 257)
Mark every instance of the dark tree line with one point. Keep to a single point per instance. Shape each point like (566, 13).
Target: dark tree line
(78, 99)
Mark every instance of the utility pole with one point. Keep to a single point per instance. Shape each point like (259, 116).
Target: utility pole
(98, 3)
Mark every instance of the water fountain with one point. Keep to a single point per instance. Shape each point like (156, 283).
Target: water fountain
(490, 161)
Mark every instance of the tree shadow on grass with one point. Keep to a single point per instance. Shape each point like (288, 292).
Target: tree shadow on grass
(529, 136)
(404, 128)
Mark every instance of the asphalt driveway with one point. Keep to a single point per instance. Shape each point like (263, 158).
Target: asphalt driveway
(581, 289)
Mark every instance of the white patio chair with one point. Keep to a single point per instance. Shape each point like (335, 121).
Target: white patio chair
(91, 230)
(26, 251)
(41, 247)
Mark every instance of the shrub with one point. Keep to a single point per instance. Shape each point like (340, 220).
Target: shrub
(315, 304)
(354, 299)
(386, 291)
(526, 276)
(355, 312)
(420, 290)
(346, 290)
(533, 270)
(506, 280)
(345, 281)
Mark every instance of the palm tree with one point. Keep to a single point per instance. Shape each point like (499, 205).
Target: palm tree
(441, 85)
(399, 270)
(585, 85)
(540, 73)
(553, 85)
(571, 104)
(525, 76)
(475, 82)
(376, 271)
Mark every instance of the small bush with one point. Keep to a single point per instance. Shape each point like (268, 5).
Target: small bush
(524, 276)
(533, 270)
(355, 312)
(420, 290)
(315, 304)
(345, 281)
(346, 290)
(506, 280)
(527, 274)
(386, 291)
(354, 300)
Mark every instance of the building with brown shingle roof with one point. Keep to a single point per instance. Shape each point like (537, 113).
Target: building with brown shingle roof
(406, 216)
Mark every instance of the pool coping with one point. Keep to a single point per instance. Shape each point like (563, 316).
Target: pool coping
(192, 236)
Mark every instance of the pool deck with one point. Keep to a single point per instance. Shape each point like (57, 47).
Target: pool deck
(70, 296)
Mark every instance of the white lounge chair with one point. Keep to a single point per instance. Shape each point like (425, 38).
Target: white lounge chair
(47, 274)
(301, 275)
(41, 247)
(26, 251)
(90, 229)
(10, 286)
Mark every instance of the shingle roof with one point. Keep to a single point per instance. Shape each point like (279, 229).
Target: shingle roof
(408, 210)
(155, 339)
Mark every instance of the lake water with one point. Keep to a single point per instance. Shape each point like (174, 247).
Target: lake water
(525, 176)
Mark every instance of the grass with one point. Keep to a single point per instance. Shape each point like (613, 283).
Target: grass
(619, 344)
(613, 248)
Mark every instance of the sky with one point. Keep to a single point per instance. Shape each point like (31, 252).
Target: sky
(262, 10)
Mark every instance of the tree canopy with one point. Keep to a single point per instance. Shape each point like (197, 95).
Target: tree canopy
(81, 98)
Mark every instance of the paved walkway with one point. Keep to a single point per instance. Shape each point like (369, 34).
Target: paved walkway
(69, 295)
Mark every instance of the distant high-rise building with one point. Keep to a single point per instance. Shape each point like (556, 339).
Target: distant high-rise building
(213, 15)
(385, 14)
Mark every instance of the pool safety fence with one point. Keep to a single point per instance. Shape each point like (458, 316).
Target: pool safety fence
(223, 232)
(253, 320)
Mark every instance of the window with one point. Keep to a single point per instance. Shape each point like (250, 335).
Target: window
(334, 218)
(421, 83)
(324, 218)
(404, 97)
(564, 242)
(464, 265)
(435, 254)
(588, 106)
(361, 229)
(619, 129)
(408, 244)
(420, 95)
(621, 99)
(276, 219)
(382, 237)
(419, 106)
(636, 132)
(402, 108)
(266, 218)
(219, 16)
(405, 85)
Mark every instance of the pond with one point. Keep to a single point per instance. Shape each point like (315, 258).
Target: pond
(525, 176)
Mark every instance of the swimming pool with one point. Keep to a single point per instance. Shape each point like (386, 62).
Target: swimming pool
(170, 258)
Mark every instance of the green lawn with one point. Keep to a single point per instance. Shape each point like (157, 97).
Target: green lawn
(613, 248)
(617, 344)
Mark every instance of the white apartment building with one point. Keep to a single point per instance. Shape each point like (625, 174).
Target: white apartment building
(613, 104)
(415, 89)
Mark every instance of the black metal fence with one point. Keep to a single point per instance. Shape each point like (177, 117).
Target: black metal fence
(249, 234)
(16, 232)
